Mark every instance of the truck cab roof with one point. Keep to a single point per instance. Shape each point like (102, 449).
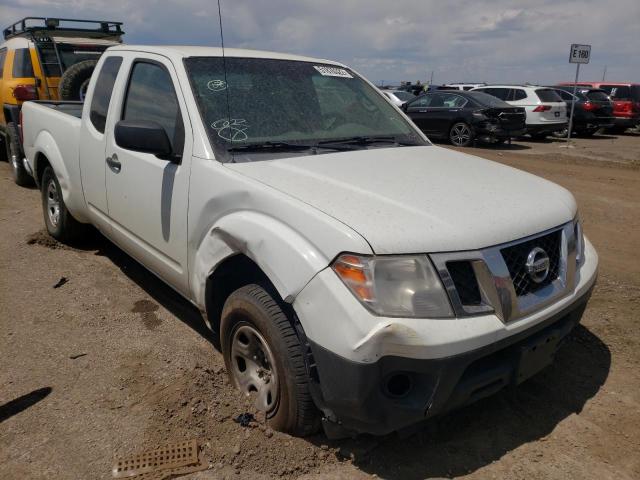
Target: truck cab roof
(184, 51)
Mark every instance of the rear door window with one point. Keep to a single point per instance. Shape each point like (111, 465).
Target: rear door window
(548, 95)
(152, 98)
(618, 92)
(597, 96)
(421, 102)
(22, 67)
(453, 101)
(517, 94)
(102, 92)
(501, 93)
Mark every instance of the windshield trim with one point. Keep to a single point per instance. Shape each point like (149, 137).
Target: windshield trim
(225, 156)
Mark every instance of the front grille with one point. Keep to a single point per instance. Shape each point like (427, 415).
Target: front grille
(465, 282)
(515, 257)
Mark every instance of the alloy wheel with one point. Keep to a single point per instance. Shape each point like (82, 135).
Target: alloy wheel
(53, 203)
(460, 134)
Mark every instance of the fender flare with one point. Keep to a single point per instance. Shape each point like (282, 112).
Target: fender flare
(288, 259)
(46, 146)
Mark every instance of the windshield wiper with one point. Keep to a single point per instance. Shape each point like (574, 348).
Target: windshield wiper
(366, 140)
(256, 147)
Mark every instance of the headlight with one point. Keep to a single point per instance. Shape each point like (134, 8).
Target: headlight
(577, 229)
(394, 286)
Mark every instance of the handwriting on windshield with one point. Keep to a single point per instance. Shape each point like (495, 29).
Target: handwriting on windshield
(216, 85)
(233, 129)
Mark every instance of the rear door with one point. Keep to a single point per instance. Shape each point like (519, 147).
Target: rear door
(417, 110)
(147, 196)
(443, 110)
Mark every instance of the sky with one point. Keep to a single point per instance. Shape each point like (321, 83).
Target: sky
(390, 41)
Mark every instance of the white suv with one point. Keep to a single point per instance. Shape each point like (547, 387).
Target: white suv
(546, 112)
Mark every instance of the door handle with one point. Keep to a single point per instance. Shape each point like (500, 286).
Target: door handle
(114, 164)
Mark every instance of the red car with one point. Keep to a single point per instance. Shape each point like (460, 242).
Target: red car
(626, 101)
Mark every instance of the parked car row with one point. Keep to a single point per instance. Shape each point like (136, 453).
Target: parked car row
(454, 110)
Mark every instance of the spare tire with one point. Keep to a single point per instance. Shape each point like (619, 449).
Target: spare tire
(75, 80)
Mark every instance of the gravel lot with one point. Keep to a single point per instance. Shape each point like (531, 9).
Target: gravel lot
(112, 361)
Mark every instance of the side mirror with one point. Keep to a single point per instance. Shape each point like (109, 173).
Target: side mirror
(147, 137)
(404, 107)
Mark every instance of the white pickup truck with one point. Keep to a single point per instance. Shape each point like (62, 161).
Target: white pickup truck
(358, 277)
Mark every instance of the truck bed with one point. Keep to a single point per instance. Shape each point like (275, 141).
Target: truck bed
(69, 107)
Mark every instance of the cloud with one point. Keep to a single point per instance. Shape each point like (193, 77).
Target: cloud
(478, 40)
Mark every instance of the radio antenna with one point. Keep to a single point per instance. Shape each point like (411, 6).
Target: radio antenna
(224, 66)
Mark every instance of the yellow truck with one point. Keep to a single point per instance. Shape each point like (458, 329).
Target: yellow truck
(46, 59)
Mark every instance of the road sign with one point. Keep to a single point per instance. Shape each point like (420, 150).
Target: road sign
(579, 53)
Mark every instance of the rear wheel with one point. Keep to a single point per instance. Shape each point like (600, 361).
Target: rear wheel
(461, 134)
(20, 174)
(59, 222)
(264, 359)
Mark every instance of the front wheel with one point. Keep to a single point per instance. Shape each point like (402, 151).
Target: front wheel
(59, 222)
(461, 134)
(264, 359)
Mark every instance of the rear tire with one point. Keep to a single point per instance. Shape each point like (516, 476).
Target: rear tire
(75, 80)
(59, 222)
(4, 149)
(20, 174)
(560, 133)
(461, 134)
(263, 354)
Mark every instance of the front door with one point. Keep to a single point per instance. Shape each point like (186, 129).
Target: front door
(147, 195)
(92, 146)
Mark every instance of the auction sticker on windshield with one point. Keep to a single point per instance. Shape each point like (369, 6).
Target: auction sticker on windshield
(333, 72)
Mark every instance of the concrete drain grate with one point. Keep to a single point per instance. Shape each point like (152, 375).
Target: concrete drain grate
(166, 462)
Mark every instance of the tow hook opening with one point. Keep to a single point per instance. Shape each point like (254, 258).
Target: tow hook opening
(398, 385)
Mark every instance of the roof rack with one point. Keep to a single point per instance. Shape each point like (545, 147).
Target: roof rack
(32, 26)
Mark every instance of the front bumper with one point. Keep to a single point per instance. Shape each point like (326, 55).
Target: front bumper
(361, 364)
(492, 131)
(397, 392)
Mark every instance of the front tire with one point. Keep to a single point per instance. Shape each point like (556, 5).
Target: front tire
(14, 151)
(461, 134)
(59, 222)
(264, 357)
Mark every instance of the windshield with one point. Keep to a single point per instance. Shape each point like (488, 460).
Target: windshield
(267, 102)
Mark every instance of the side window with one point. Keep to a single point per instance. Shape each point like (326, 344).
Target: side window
(500, 93)
(565, 95)
(102, 92)
(453, 101)
(517, 94)
(3, 57)
(22, 67)
(421, 102)
(152, 98)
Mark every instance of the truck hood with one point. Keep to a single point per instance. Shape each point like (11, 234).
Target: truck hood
(420, 199)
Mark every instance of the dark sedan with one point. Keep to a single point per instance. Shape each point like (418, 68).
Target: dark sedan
(463, 117)
(593, 110)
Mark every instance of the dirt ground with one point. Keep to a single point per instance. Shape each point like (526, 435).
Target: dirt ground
(100, 359)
